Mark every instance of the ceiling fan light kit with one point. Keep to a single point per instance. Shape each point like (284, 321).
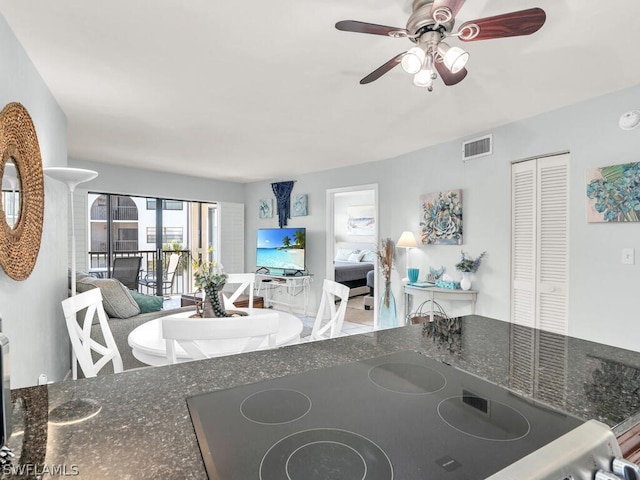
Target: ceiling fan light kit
(430, 23)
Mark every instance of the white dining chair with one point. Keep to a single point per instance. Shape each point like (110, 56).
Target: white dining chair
(232, 335)
(330, 327)
(80, 334)
(243, 282)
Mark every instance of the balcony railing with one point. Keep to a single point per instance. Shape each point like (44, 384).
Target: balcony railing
(119, 213)
(99, 266)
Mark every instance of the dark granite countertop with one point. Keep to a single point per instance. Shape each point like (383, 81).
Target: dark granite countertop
(143, 429)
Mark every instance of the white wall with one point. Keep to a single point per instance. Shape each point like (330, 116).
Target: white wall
(31, 311)
(147, 183)
(602, 290)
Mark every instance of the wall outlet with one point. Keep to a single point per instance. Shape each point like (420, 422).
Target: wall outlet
(628, 256)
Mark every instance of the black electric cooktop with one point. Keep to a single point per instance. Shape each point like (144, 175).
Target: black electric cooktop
(401, 416)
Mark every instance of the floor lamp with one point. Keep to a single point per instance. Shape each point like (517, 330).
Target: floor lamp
(76, 409)
(407, 241)
(72, 177)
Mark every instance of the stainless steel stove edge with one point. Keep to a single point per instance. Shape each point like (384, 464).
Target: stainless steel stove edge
(577, 455)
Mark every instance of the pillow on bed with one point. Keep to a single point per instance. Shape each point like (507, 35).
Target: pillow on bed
(368, 256)
(342, 255)
(355, 257)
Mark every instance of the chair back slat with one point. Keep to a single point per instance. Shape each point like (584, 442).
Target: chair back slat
(80, 334)
(244, 282)
(252, 332)
(330, 327)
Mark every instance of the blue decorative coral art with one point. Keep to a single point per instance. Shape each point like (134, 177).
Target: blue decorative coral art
(265, 208)
(441, 221)
(299, 205)
(613, 193)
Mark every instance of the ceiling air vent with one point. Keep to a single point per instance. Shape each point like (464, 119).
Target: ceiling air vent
(478, 147)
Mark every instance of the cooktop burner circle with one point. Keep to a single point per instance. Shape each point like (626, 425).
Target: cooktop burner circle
(329, 460)
(275, 406)
(483, 418)
(407, 378)
(322, 453)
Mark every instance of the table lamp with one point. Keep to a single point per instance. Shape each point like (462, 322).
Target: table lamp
(407, 241)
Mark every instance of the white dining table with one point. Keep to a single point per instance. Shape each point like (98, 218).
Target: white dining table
(149, 347)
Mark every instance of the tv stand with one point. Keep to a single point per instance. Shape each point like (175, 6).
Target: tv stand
(294, 284)
(295, 273)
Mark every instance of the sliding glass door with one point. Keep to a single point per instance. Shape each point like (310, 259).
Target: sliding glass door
(167, 234)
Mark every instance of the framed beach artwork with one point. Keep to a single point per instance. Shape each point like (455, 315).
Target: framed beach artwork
(265, 208)
(361, 220)
(613, 193)
(441, 221)
(299, 205)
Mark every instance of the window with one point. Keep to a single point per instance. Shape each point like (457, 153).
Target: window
(169, 234)
(166, 204)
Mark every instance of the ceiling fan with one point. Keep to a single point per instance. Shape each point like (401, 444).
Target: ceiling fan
(430, 23)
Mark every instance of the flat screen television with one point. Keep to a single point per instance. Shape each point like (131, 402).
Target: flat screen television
(281, 249)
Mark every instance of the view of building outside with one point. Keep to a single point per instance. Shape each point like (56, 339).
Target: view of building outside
(134, 225)
(187, 227)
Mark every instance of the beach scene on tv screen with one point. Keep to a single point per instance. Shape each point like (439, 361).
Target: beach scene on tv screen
(281, 248)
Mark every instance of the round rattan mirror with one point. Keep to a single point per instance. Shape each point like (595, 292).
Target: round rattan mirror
(19, 151)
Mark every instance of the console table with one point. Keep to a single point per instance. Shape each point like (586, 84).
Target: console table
(437, 293)
(293, 285)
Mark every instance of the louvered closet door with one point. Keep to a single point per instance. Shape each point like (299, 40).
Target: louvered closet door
(539, 263)
(553, 244)
(523, 243)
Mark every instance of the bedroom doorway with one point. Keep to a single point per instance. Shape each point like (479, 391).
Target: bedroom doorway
(352, 239)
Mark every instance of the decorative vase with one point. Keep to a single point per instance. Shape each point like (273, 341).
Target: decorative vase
(213, 306)
(387, 313)
(465, 283)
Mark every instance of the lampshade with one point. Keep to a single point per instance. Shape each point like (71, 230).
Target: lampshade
(454, 58)
(412, 60)
(71, 176)
(407, 240)
(423, 79)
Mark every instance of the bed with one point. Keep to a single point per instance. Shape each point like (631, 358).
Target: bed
(352, 262)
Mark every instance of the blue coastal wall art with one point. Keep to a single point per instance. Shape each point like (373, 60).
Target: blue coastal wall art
(441, 221)
(613, 193)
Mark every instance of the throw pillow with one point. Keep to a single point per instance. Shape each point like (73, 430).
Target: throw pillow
(147, 303)
(116, 299)
(342, 255)
(355, 257)
(368, 256)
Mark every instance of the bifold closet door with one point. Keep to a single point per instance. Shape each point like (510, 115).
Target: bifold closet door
(540, 243)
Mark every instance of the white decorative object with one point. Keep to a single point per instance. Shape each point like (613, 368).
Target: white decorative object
(629, 120)
(465, 282)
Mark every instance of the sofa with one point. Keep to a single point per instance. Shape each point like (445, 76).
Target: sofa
(125, 310)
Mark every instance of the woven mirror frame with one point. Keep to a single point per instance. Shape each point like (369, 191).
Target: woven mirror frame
(20, 244)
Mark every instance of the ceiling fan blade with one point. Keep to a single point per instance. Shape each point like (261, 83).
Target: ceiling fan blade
(450, 78)
(454, 7)
(514, 24)
(363, 27)
(381, 70)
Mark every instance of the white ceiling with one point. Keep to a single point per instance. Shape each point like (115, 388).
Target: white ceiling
(253, 90)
